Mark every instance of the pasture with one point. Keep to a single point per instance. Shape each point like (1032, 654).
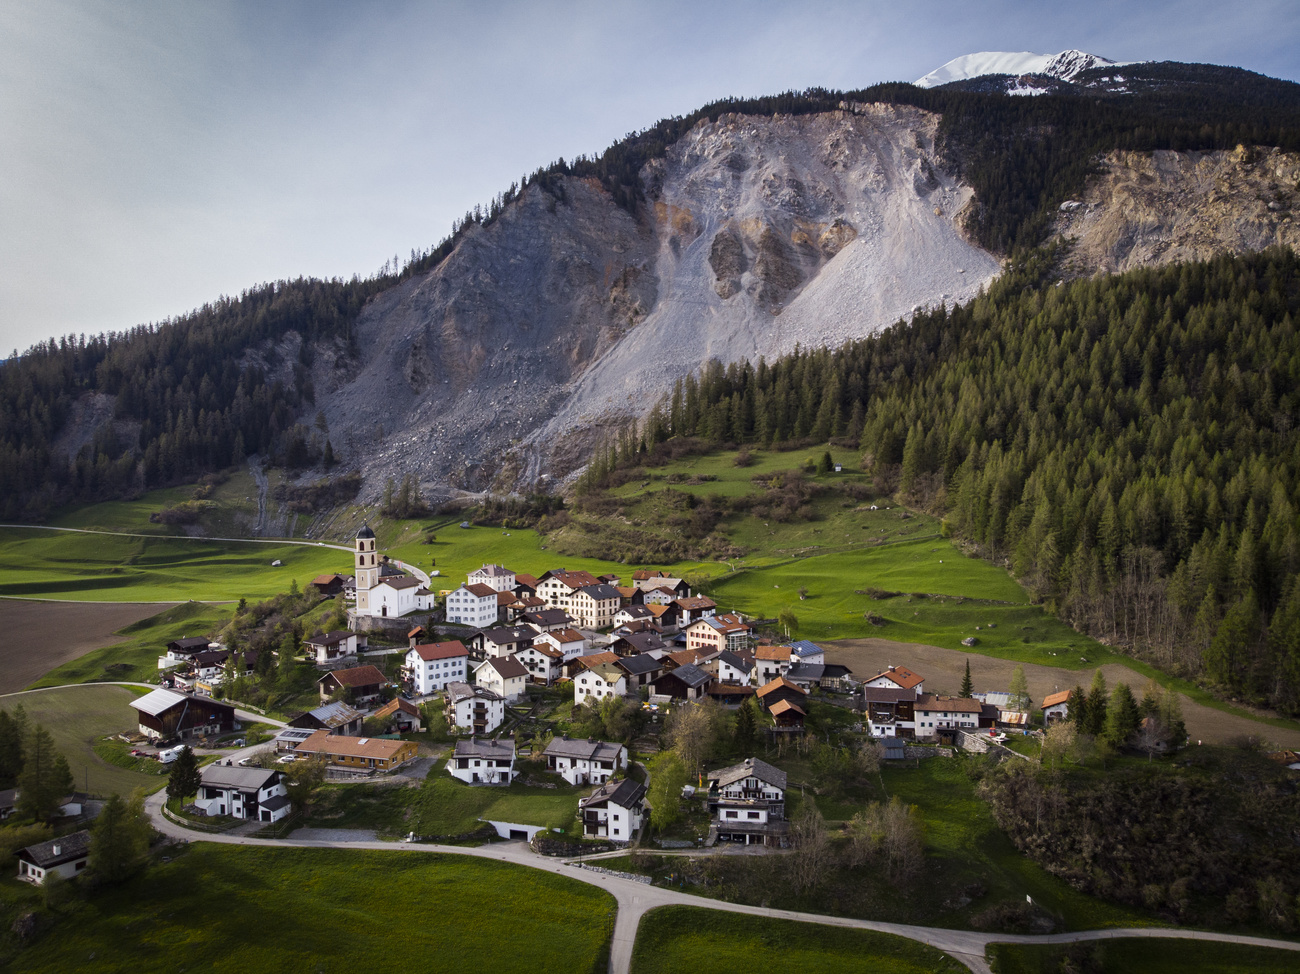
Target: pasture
(44, 564)
(678, 938)
(78, 718)
(234, 910)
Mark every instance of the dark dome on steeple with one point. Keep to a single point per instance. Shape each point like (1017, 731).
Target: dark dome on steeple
(365, 532)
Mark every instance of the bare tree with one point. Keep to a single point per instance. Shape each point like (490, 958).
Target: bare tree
(691, 731)
(1058, 742)
(812, 848)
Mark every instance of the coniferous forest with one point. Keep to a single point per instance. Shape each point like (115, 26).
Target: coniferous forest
(1127, 445)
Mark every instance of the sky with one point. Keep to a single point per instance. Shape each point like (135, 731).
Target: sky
(157, 155)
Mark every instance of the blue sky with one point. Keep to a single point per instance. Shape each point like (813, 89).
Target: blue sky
(157, 155)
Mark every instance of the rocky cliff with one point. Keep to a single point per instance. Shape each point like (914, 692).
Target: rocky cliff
(1161, 207)
(504, 365)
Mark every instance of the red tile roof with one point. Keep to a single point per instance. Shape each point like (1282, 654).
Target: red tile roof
(432, 651)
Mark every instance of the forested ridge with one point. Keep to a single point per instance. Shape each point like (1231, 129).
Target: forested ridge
(1128, 445)
(199, 404)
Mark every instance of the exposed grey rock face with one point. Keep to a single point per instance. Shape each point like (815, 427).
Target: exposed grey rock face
(505, 365)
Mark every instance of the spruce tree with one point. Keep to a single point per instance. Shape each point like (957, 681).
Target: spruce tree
(1097, 705)
(1077, 710)
(745, 725)
(1122, 716)
(46, 778)
(184, 778)
(119, 840)
(967, 687)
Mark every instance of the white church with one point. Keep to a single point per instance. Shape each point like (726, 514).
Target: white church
(384, 596)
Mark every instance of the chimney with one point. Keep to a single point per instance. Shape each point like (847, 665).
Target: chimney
(58, 849)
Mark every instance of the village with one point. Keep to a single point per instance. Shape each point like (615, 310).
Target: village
(563, 645)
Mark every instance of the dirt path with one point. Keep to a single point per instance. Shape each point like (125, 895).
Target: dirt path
(943, 670)
(38, 636)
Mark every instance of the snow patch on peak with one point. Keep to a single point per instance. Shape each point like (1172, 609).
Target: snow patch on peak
(1064, 66)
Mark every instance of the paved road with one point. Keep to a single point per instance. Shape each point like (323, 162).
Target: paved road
(634, 899)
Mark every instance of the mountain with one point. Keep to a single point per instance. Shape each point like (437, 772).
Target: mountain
(505, 357)
(1064, 66)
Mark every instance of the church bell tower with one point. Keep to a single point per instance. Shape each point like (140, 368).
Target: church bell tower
(367, 568)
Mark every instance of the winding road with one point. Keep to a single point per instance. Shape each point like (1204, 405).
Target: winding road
(635, 899)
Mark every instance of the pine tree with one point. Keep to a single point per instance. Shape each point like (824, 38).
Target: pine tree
(1077, 710)
(967, 687)
(1122, 716)
(745, 725)
(119, 840)
(287, 671)
(11, 749)
(46, 778)
(1097, 705)
(184, 778)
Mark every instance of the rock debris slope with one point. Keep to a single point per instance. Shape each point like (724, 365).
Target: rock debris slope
(567, 315)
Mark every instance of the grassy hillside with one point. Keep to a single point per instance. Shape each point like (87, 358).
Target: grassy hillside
(79, 718)
(223, 909)
(105, 568)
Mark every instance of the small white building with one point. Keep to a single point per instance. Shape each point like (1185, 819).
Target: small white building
(504, 675)
(473, 710)
(898, 678)
(568, 641)
(478, 762)
(497, 577)
(736, 668)
(584, 762)
(473, 605)
(599, 681)
(432, 666)
(336, 645)
(614, 811)
(806, 651)
(64, 857)
(505, 640)
(544, 663)
(771, 663)
(252, 793)
(1056, 706)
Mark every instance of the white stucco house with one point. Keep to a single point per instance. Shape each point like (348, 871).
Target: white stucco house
(497, 577)
(433, 666)
(614, 811)
(584, 762)
(64, 857)
(478, 762)
(504, 675)
(473, 709)
(747, 802)
(251, 793)
(599, 681)
(473, 605)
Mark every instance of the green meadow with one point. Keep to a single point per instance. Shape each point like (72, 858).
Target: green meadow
(234, 910)
(78, 718)
(113, 568)
(1141, 955)
(677, 938)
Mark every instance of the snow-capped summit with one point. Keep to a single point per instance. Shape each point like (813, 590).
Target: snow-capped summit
(1064, 66)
